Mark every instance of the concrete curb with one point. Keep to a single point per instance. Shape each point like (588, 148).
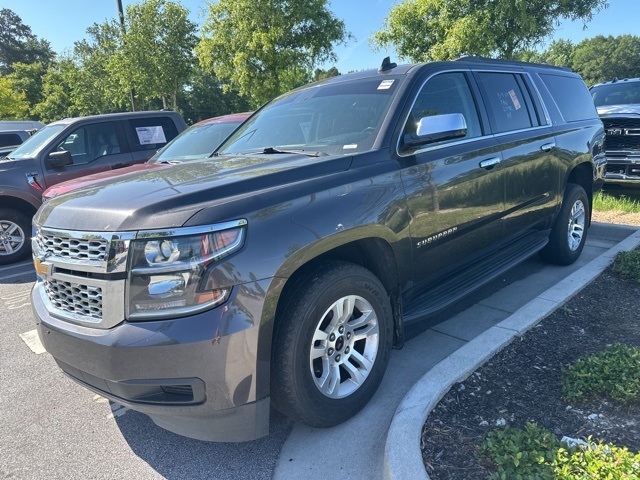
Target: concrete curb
(403, 456)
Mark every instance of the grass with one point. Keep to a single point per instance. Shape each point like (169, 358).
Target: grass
(605, 201)
(627, 264)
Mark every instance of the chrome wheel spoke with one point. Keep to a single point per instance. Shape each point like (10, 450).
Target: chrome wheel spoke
(329, 383)
(362, 319)
(362, 333)
(364, 362)
(354, 372)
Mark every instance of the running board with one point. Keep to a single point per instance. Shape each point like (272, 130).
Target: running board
(466, 280)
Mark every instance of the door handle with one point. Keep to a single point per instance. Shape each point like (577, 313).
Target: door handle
(489, 163)
(548, 146)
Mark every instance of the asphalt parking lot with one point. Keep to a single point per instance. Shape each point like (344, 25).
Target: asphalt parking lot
(52, 428)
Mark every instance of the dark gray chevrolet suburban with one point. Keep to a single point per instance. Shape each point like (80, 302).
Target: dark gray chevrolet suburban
(283, 270)
(68, 149)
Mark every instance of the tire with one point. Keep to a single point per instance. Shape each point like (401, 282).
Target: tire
(15, 236)
(569, 232)
(331, 345)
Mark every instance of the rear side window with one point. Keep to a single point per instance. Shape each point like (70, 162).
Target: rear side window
(150, 133)
(571, 96)
(508, 103)
(90, 142)
(9, 139)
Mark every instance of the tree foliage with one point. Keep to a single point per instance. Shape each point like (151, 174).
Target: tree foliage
(19, 44)
(321, 74)
(13, 104)
(265, 47)
(425, 30)
(601, 58)
(158, 50)
(597, 59)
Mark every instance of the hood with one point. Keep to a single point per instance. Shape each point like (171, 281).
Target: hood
(168, 197)
(80, 182)
(633, 109)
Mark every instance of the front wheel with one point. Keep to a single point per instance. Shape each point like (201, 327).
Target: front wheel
(569, 232)
(331, 345)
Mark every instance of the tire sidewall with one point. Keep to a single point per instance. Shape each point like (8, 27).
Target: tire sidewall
(574, 193)
(319, 298)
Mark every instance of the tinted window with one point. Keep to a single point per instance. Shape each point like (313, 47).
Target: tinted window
(619, 93)
(571, 96)
(150, 133)
(9, 139)
(443, 94)
(91, 142)
(507, 104)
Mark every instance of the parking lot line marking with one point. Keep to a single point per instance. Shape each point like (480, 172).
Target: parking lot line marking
(32, 341)
(17, 300)
(15, 275)
(16, 265)
(100, 399)
(117, 411)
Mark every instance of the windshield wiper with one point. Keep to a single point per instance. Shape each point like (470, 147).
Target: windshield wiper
(273, 150)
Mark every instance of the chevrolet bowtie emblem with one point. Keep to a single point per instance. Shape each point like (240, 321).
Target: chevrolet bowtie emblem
(43, 269)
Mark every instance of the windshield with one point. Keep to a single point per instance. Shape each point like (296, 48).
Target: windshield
(196, 142)
(620, 93)
(338, 119)
(32, 146)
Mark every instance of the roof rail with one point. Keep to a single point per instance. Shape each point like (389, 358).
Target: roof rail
(478, 59)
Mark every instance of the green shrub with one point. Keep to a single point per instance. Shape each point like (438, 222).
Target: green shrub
(627, 264)
(613, 373)
(517, 453)
(536, 454)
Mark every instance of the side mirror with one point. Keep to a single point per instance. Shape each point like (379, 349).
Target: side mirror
(437, 128)
(60, 159)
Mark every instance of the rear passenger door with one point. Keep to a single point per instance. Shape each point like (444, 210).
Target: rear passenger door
(147, 135)
(530, 164)
(94, 148)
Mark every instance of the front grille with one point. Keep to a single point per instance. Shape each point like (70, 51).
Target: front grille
(75, 298)
(72, 248)
(622, 133)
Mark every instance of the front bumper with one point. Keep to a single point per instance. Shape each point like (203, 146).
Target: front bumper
(199, 376)
(623, 170)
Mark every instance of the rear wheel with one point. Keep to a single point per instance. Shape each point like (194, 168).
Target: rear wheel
(569, 232)
(331, 345)
(15, 234)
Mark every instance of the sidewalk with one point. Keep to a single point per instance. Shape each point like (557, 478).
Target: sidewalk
(380, 444)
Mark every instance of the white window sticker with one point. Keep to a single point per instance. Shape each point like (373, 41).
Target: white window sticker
(385, 84)
(350, 146)
(149, 135)
(514, 99)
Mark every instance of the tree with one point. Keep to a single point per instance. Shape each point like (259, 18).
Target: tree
(321, 74)
(424, 30)
(263, 48)
(204, 97)
(27, 78)
(13, 104)
(601, 58)
(158, 50)
(19, 44)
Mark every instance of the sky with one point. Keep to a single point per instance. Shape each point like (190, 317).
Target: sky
(63, 22)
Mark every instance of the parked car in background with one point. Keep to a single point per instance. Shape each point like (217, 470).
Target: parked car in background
(67, 149)
(14, 132)
(196, 142)
(618, 104)
(281, 271)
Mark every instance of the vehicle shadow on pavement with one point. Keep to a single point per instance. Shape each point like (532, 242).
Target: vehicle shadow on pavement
(177, 457)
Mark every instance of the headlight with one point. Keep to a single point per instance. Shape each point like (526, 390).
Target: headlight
(168, 269)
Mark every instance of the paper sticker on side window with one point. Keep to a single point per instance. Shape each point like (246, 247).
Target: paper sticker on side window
(149, 135)
(385, 84)
(514, 99)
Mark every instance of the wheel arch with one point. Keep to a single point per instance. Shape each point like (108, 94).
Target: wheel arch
(19, 204)
(582, 174)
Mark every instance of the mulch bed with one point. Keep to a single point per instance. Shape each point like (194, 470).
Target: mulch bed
(522, 384)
